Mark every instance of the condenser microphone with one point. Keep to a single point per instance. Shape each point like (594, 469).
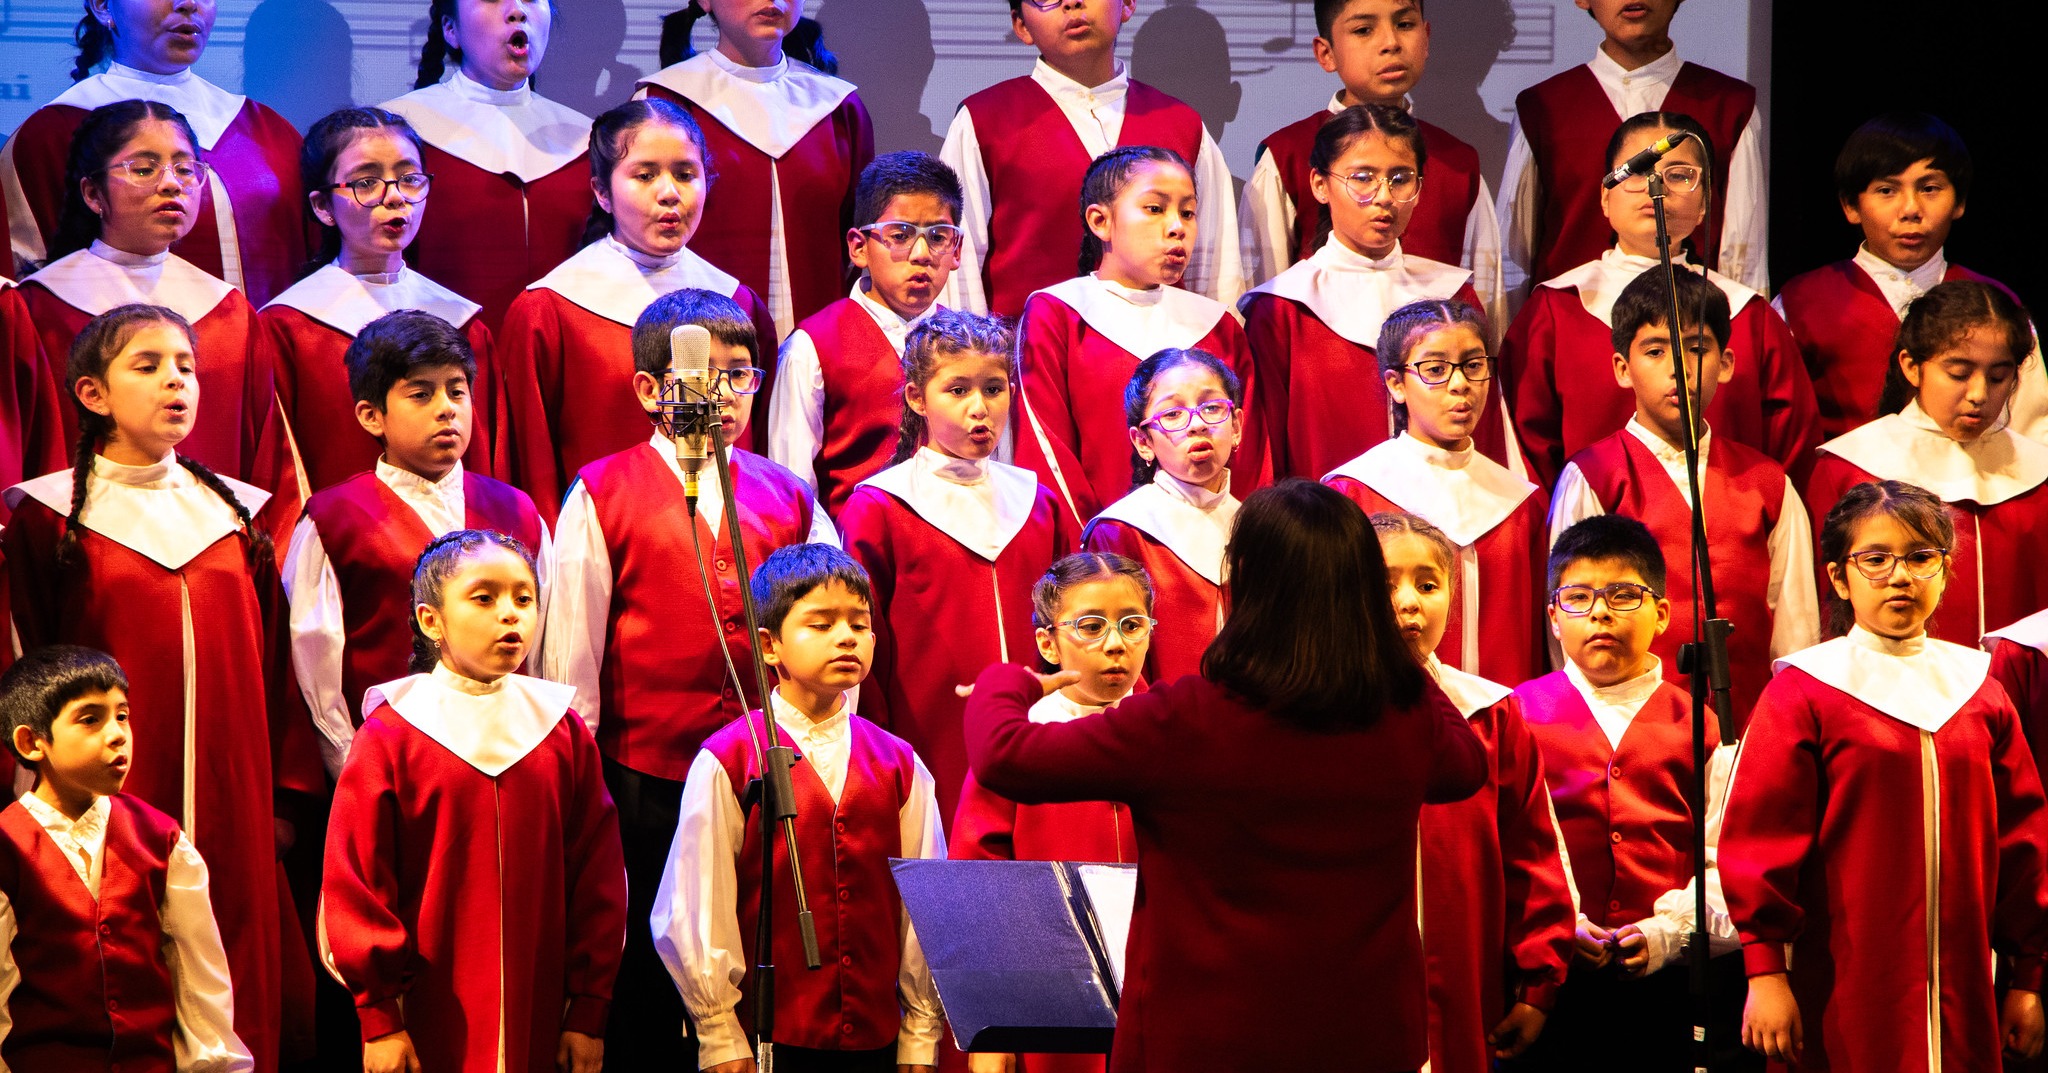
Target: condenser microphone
(690, 415)
(1641, 163)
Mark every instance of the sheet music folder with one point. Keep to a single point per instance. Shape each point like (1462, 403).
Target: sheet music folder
(1017, 949)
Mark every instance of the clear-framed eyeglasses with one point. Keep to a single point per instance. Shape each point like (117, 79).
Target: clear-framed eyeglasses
(1181, 418)
(145, 171)
(1620, 596)
(1920, 563)
(1679, 177)
(1436, 372)
(370, 191)
(1402, 185)
(900, 236)
(1094, 629)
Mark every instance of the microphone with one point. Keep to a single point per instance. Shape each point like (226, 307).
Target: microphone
(1641, 163)
(689, 414)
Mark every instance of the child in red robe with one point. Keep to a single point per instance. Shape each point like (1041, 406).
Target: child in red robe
(1885, 839)
(474, 901)
(1498, 910)
(862, 797)
(953, 539)
(1753, 515)
(1185, 413)
(353, 550)
(100, 965)
(31, 424)
(363, 276)
(840, 370)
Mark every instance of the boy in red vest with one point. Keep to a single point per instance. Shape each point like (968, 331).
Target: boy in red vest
(109, 954)
(862, 797)
(1378, 48)
(1021, 148)
(1549, 206)
(1753, 514)
(839, 387)
(348, 573)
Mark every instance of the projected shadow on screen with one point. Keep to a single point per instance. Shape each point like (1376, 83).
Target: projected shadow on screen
(1182, 50)
(582, 68)
(885, 48)
(298, 57)
(1466, 37)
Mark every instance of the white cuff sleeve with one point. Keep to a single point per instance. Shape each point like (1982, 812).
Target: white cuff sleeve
(962, 153)
(696, 920)
(1267, 219)
(579, 607)
(205, 1040)
(319, 640)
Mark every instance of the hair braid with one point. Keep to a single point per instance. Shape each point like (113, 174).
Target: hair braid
(94, 42)
(89, 433)
(262, 551)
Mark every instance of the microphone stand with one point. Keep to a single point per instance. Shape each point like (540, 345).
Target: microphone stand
(1706, 658)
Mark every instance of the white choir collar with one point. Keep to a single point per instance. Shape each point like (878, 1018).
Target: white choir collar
(770, 108)
(1469, 693)
(159, 511)
(100, 277)
(616, 282)
(1899, 286)
(488, 725)
(514, 131)
(347, 302)
(1662, 69)
(1600, 281)
(806, 729)
(1057, 707)
(1464, 493)
(1665, 454)
(405, 482)
(1066, 91)
(2031, 632)
(1921, 681)
(209, 108)
(1909, 446)
(1142, 322)
(894, 327)
(1192, 522)
(981, 505)
(1631, 694)
(1352, 293)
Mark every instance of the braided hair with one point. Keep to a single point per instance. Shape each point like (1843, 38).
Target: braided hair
(95, 43)
(431, 571)
(435, 54)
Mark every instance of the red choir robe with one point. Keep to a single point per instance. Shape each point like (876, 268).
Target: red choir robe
(257, 245)
(2019, 661)
(306, 334)
(1498, 911)
(216, 731)
(1314, 331)
(31, 411)
(788, 143)
(1557, 369)
(239, 432)
(511, 187)
(1833, 870)
(485, 957)
(566, 361)
(952, 582)
(1178, 533)
(837, 422)
(1077, 345)
(1496, 626)
(1994, 489)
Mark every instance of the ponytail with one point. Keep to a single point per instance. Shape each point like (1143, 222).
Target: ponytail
(95, 43)
(675, 33)
(435, 53)
(612, 133)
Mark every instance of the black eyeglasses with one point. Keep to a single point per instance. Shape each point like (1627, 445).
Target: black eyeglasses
(370, 191)
(1436, 372)
(1620, 596)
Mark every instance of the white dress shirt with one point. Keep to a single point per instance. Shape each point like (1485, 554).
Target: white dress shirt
(696, 917)
(796, 412)
(1097, 115)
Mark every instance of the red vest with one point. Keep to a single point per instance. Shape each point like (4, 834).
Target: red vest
(663, 688)
(373, 539)
(95, 992)
(850, 1004)
(1450, 188)
(1568, 121)
(863, 399)
(1035, 163)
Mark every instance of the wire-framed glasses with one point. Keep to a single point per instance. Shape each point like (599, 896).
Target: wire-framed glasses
(1402, 185)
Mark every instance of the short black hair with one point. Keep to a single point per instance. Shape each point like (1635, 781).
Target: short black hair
(1646, 302)
(44, 680)
(793, 571)
(1609, 538)
(398, 344)
(907, 172)
(716, 313)
(1326, 14)
(1890, 143)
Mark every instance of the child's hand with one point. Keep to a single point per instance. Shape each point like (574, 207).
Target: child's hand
(1517, 1030)
(579, 1053)
(1047, 682)
(1595, 944)
(2021, 1023)
(390, 1054)
(991, 1063)
(737, 1065)
(1770, 1019)
(1633, 947)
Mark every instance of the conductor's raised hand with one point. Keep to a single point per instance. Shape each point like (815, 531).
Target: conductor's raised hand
(1047, 682)
(1770, 1018)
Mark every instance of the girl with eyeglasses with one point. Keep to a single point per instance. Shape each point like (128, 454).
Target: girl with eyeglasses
(1557, 359)
(1884, 788)
(137, 183)
(1435, 371)
(244, 224)
(1079, 341)
(1947, 407)
(1312, 328)
(366, 189)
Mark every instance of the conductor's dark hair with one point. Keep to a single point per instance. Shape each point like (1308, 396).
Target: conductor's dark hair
(93, 145)
(946, 333)
(1646, 303)
(794, 571)
(1888, 144)
(1920, 511)
(611, 135)
(718, 314)
(1138, 395)
(1078, 568)
(1337, 133)
(908, 172)
(35, 690)
(396, 345)
(804, 43)
(1311, 637)
(1677, 121)
(1609, 538)
(436, 53)
(1107, 176)
(439, 562)
(325, 141)
(1326, 15)
(1408, 325)
(1941, 319)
